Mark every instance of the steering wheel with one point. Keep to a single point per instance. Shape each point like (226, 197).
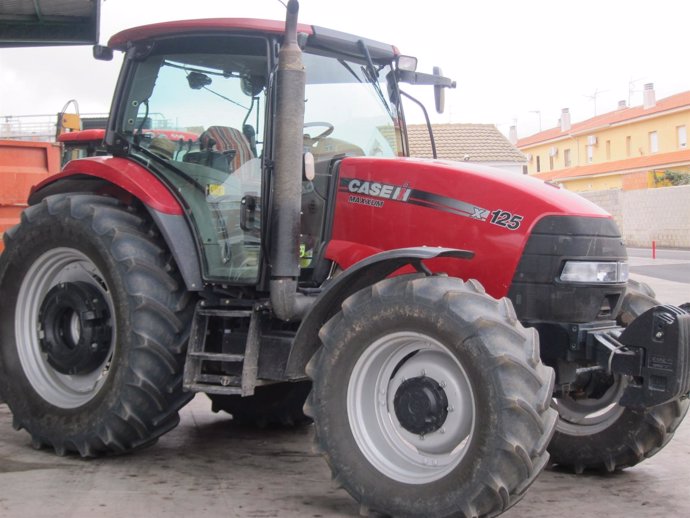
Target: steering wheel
(329, 129)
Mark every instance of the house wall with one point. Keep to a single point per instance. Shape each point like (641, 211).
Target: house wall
(611, 144)
(643, 216)
(599, 183)
(512, 167)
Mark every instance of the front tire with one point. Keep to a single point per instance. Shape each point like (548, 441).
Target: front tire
(94, 320)
(598, 433)
(430, 399)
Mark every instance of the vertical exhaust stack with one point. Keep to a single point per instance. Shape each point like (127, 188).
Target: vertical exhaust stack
(287, 304)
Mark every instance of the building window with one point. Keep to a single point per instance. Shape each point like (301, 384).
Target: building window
(590, 154)
(566, 158)
(550, 162)
(538, 164)
(682, 137)
(608, 150)
(628, 146)
(653, 142)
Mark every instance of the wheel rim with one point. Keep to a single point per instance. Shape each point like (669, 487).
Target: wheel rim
(589, 416)
(393, 447)
(56, 268)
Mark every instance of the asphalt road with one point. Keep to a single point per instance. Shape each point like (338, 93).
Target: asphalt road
(670, 265)
(208, 466)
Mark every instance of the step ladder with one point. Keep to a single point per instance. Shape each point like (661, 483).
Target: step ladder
(194, 380)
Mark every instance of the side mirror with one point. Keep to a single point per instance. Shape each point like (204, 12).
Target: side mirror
(439, 92)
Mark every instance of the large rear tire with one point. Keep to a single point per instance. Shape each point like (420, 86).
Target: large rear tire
(93, 327)
(598, 433)
(429, 399)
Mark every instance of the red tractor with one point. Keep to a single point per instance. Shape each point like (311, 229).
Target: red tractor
(444, 325)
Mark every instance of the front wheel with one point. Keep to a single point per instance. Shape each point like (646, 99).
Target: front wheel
(429, 399)
(93, 327)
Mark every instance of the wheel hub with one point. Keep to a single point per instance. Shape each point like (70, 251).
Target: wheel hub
(74, 328)
(421, 405)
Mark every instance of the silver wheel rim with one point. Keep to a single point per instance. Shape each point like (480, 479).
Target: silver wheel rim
(390, 448)
(589, 416)
(59, 265)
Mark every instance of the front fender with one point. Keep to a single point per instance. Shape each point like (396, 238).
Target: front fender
(127, 175)
(362, 274)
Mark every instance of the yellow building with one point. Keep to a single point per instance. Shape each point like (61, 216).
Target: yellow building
(630, 148)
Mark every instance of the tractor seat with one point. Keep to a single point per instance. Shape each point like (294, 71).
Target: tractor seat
(226, 138)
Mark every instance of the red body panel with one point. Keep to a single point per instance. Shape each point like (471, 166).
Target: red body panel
(384, 204)
(90, 135)
(119, 41)
(97, 135)
(127, 175)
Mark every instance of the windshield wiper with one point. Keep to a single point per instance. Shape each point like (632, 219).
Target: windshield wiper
(372, 74)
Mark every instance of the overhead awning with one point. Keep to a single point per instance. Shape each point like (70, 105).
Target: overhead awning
(25, 23)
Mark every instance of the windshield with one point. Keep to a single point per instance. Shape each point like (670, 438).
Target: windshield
(195, 113)
(345, 113)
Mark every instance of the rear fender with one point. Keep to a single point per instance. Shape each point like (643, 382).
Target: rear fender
(127, 180)
(362, 274)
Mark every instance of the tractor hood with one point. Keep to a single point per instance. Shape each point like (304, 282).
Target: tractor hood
(393, 203)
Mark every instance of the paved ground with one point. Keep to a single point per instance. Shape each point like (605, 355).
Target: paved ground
(210, 467)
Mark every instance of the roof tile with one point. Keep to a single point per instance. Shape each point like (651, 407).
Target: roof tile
(470, 142)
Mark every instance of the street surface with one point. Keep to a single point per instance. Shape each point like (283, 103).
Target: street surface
(210, 467)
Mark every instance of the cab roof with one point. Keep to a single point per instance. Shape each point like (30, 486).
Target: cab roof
(318, 36)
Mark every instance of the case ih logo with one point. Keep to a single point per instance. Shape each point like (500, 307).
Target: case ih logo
(380, 190)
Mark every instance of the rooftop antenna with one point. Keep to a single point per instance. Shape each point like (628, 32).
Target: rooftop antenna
(632, 89)
(593, 98)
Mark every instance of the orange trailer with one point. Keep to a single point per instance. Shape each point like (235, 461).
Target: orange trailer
(22, 164)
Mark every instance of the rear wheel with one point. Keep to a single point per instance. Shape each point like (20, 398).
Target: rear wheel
(596, 432)
(429, 399)
(279, 404)
(93, 323)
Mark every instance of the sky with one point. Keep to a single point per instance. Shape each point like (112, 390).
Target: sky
(515, 62)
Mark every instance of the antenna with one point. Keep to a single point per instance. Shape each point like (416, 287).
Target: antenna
(593, 98)
(631, 88)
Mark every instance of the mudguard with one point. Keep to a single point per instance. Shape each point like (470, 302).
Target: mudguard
(360, 275)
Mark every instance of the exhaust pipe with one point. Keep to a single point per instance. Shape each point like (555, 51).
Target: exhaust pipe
(287, 304)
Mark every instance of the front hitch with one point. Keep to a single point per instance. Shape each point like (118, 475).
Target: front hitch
(654, 351)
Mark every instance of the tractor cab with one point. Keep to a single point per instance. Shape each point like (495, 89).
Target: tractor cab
(219, 83)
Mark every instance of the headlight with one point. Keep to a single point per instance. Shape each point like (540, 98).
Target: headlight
(593, 272)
